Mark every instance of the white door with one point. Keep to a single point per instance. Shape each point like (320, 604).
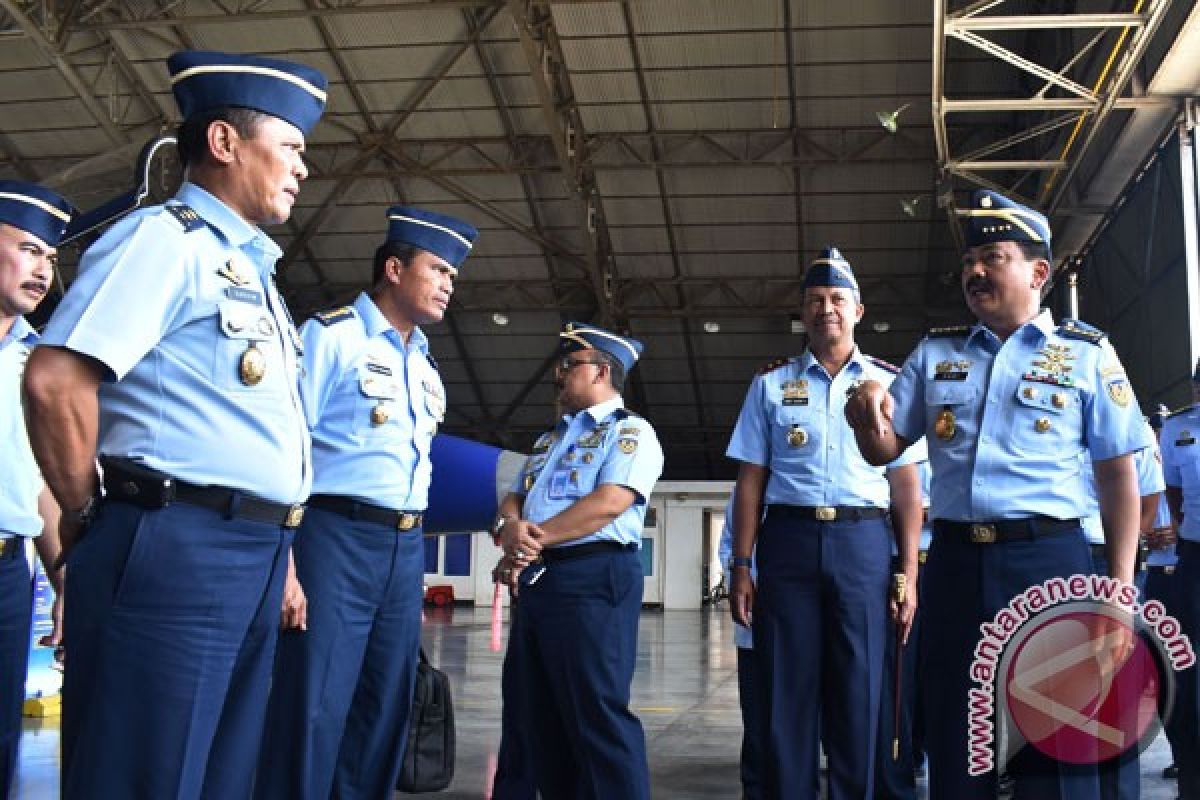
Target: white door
(652, 551)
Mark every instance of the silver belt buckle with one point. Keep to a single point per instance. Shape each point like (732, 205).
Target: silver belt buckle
(983, 533)
(826, 513)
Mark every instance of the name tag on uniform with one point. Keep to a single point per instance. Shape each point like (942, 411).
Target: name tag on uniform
(243, 295)
(560, 483)
(379, 369)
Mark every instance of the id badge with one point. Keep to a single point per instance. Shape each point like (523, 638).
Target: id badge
(560, 484)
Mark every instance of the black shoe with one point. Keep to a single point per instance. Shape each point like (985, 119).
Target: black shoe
(1170, 773)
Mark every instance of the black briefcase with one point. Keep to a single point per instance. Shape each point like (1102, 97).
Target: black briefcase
(429, 753)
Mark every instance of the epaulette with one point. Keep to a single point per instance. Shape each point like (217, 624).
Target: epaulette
(186, 216)
(774, 365)
(884, 365)
(948, 331)
(1074, 329)
(334, 315)
(1179, 411)
(432, 361)
(625, 413)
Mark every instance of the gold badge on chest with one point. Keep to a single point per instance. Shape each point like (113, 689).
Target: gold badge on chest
(945, 426)
(252, 366)
(797, 436)
(379, 414)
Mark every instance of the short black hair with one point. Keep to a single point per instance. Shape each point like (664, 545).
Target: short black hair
(192, 137)
(1034, 250)
(616, 370)
(403, 251)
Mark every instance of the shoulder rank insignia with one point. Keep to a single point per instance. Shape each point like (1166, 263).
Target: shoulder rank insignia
(186, 216)
(774, 365)
(884, 365)
(948, 331)
(1179, 411)
(334, 315)
(1074, 329)
(432, 361)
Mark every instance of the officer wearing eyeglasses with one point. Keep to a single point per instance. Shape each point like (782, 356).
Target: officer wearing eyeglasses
(573, 521)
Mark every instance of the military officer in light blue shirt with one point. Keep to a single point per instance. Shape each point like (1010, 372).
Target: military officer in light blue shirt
(173, 357)
(815, 516)
(574, 521)
(373, 399)
(32, 222)
(1181, 468)
(1008, 408)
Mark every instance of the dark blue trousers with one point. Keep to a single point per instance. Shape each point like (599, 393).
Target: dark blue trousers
(171, 622)
(16, 608)
(1120, 779)
(1185, 715)
(1161, 586)
(895, 778)
(965, 585)
(343, 690)
(514, 778)
(819, 619)
(752, 749)
(576, 640)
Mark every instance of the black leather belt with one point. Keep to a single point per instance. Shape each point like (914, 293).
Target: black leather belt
(1004, 530)
(153, 491)
(564, 553)
(1161, 569)
(356, 509)
(1187, 546)
(830, 513)
(10, 546)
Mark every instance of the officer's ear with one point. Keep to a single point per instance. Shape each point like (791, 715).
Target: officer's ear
(1041, 273)
(222, 139)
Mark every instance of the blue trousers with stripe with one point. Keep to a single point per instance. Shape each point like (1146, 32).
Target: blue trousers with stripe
(171, 622)
(576, 639)
(16, 599)
(343, 690)
(819, 620)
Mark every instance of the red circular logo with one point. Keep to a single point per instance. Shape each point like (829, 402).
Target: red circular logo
(1082, 687)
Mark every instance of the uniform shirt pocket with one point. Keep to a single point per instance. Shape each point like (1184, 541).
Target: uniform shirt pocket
(794, 434)
(241, 328)
(1046, 418)
(377, 405)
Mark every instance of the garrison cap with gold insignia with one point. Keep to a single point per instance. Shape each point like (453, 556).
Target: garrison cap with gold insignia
(34, 209)
(446, 237)
(831, 269)
(577, 336)
(992, 217)
(205, 80)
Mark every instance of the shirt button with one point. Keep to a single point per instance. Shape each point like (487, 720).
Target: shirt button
(978, 482)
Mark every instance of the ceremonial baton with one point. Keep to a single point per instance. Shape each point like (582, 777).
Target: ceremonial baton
(899, 591)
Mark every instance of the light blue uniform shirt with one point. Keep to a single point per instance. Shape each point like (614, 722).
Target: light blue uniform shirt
(799, 399)
(170, 306)
(743, 637)
(373, 405)
(1181, 465)
(1001, 463)
(599, 445)
(1148, 464)
(1166, 557)
(20, 480)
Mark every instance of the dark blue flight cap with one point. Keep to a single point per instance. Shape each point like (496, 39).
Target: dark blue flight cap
(446, 237)
(831, 269)
(992, 217)
(204, 80)
(34, 209)
(579, 336)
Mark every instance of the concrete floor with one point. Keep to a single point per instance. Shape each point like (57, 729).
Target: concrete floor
(685, 692)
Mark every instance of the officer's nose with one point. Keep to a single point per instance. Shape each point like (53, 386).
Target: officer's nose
(301, 170)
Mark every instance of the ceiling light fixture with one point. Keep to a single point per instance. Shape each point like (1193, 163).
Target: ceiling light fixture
(883, 326)
(712, 327)
(500, 319)
(909, 206)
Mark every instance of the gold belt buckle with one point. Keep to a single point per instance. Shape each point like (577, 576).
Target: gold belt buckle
(983, 534)
(826, 513)
(7, 543)
(922, 556)
(1169, 569)
(295, 516)
(406, 522)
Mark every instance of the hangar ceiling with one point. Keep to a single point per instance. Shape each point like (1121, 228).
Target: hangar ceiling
(664, 167)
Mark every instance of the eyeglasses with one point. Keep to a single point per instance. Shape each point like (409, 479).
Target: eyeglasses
(565, 363)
